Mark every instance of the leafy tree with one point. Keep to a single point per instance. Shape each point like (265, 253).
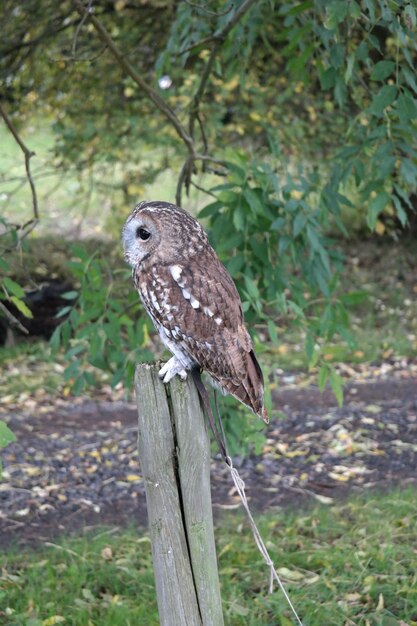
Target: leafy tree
(306, 110)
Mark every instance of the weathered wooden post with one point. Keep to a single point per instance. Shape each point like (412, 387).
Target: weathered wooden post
(174, 452)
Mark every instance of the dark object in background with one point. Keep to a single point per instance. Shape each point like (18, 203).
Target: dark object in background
(44, 302)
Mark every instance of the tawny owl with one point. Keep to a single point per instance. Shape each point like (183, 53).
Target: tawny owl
(192, 301)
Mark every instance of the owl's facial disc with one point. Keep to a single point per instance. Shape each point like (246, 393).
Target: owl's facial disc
(140, 238)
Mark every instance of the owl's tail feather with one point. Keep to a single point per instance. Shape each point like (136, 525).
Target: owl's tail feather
(251, 390)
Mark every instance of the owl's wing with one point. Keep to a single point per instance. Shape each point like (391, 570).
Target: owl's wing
(198, 306)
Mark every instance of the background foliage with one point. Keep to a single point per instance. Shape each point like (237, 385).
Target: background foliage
(291, 124)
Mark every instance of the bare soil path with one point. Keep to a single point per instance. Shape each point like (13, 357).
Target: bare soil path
(75, 463)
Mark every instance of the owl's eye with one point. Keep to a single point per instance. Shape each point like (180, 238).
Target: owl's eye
(142, 233)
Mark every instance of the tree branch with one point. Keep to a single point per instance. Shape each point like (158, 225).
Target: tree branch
(187, 137)
(219, 38)
(14, 322)
(150, 92)
(28, 155)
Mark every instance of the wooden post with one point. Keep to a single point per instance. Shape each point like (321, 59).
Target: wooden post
(174, 452)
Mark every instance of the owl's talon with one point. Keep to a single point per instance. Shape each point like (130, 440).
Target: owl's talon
(170, 369)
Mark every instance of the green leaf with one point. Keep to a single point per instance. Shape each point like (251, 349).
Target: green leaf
(55, 339)
(298, 224)
(336, 13)
(313, 238)
(251, 287)
(376, 206)
(410, 16)
(239, 218)
(410, 78)
(309, 347)
(328, 78)
(382, 70)
(370, 5)
(354, 10)
(254, 201)
(409, 171)
(6, 435)
(406, 107)
(336, 383)
(21, 306)
(211, 209)
(272, 329)
(13, 288)
(70, 295)
(401, 214)
(323, 377)
(4, 266)
(385, 96)
(349, 68)
(63, 311)
(354, 297)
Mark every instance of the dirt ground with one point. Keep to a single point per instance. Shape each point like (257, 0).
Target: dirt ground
(75, 464)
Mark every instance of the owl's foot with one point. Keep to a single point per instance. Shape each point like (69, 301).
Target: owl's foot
(170, 369)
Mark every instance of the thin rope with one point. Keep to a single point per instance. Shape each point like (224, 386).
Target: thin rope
(240, 487)
(273, 574)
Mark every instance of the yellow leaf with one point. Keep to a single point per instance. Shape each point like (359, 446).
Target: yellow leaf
(380, 605)
(340, 477)
(373, 408)
(55, 619)
(133, 478)
(232, 84)
(290, 574)
(323, 499)
(296, 194)
(379, 227)
(352, 597)
(294, 453)
(33, 471)
(255, 116)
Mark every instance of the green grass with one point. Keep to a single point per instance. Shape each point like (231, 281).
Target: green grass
(82, 202)
(352, 564)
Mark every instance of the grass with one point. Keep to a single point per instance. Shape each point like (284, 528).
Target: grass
(353, 564)
(81, 202)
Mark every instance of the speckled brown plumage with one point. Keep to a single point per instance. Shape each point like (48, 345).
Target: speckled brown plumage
(192, 299)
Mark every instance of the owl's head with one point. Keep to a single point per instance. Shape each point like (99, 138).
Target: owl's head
(140, 235)
(163, 229)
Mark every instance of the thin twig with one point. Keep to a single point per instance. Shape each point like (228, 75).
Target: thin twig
(184, 177)
(28, 155)
(150, 92)
(79, 27)
(197, 44)
(204, 8)
(207, 191)
(219, 38)
(14, 322)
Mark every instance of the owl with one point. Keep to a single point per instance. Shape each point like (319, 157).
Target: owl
(192, 300)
